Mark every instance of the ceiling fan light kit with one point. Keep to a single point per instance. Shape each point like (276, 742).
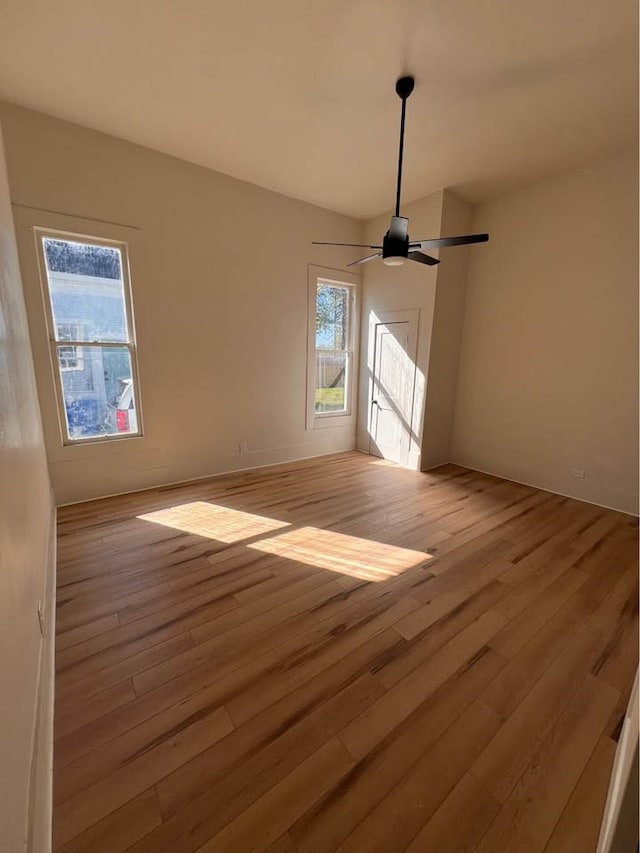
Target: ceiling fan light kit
(396, 246)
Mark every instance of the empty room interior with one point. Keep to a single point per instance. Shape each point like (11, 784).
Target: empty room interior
(319, 426)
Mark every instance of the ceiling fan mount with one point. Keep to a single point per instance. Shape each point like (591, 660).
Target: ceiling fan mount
(404, 86)
(396, 246)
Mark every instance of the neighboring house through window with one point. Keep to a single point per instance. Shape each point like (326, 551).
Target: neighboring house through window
(70, 357)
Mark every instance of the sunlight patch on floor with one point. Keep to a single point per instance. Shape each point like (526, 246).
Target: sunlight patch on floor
(387, 463)
(214, 522)
(348, 555)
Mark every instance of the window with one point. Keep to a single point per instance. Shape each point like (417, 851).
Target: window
(91, 336)
(333, 322)
(331, 353)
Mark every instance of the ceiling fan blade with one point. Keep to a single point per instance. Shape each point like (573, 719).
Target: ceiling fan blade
(355, 245)
(398, 227)
(423, 259)
(443, 242)
(364, 260)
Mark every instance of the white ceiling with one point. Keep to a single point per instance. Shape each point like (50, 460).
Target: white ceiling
(298, 95)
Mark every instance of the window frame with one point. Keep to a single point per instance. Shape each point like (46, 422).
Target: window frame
(40, 234)
(337, 278)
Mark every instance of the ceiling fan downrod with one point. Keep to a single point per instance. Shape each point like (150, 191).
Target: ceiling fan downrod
(404, 87)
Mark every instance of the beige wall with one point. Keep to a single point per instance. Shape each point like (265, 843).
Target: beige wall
(26, 569)
(220, 302)
(549, 366)
(446, 334)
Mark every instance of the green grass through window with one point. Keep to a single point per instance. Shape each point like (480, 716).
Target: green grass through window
(329, 399)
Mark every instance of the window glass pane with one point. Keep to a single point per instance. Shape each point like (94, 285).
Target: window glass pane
(331, 371)
(332, 317)
(87, 291)
(99, 398)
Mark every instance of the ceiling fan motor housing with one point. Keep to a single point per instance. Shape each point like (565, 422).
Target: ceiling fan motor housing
(395, 247)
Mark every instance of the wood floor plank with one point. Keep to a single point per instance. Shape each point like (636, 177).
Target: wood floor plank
(301, 665)
(238, 789)
(284, 844)
(407, 655)
(399, 817)
(507, 691)
(233, 670)
(460, 822)
(335, 815)
(99, 731)
(532, 531)
(512, 495)
(528, 589)
(70, 690)
(619, 659)
(534, 806)
(121, 829)
(440, 605)
(117, 752)
(189, 795)
(498, 521)
(91, 581)
(172, 836)
(372, 726)
(232, 629)
(558, 539)
(183, 600)
(579, 826)
(69, 720)
(113, 647)
(110, 793)
(277, 603)
(339, 653)
(199, 776)
(462, 562)
(518, 632)
(503, 761)
(76, 613)
(85, 632)
(619, 604)
(265, 820)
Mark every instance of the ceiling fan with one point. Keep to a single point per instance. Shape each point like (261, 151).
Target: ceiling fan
(396, 246)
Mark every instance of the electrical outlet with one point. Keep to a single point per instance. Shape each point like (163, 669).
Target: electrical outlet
(578, 473)
(41, 618)
(242, 447)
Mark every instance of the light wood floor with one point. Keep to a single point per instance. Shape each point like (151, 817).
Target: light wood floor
(340, 655)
